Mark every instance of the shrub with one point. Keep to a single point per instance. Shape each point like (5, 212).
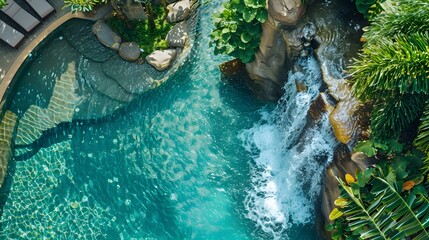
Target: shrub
(81, 5)
(140, 32)
(238, 28)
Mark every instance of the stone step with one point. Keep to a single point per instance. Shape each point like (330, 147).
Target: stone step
(92, 73)
(61, 108)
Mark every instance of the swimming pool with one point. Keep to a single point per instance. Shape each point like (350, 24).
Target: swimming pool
(195, 158)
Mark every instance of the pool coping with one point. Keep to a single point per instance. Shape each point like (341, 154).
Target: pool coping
(22, 56)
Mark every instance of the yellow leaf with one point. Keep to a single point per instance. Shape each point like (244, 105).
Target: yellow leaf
(341, 202)
(408, 185)
(350, 179)
(335, 214)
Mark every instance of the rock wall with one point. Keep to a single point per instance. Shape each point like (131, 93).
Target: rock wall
(269, 69)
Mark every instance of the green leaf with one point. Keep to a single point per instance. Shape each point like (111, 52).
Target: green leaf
(262, 16)
(366, 147)
(245, 37)
(249, 15)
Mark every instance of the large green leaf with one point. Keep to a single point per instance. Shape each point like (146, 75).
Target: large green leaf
(382, 213)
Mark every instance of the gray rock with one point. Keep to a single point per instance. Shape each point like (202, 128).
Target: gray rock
(178, 35)
(287, 12)
(129, 51)
(270, 66)
(134, 11)
(161, 59)
(105, 35)
(178, 11)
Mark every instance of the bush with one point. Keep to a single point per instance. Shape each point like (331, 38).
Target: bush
(238, 28)
(81, 5)
(139, 31)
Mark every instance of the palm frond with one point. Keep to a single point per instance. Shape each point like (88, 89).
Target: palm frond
(422, 139)
(399, 64)
(404, 16)
(392, 115)
(383, 213)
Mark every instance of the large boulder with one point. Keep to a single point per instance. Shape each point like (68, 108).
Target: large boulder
(344, 118)
(129, 51)
(287, 12)
(269, 70)
(134, 11)
(178, 35)
(178, 11)
(105, 35)
(161, 59)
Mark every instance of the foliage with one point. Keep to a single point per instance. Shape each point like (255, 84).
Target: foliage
(408, 16)
(369, 8)
(422, 139)
(392, 70)
(238, 28)
(140, 32)
(396, 65)
(394, 114)
(2, 3)
(82, 5)
(373, 146)
(387, 202)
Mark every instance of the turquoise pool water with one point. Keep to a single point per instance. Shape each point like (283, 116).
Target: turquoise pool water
(195, 158)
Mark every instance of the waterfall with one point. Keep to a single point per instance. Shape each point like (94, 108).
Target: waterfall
(288, 157)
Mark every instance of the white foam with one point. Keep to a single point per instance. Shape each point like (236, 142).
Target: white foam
(285, 174)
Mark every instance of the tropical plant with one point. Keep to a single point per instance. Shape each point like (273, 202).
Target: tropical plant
(81, 5)
(387, 202)
(391, 72)
(385, 147)
(238, 28)
(369, 8)
(2, 3)
(141, 32)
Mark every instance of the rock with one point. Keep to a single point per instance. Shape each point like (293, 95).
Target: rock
(344, 117)
(129, 51)
(287, 12)
(232, 67)
(178, 11)
(178, 35)
(161, 59)
(318, 107)
(269, 69)
(343, 121)
(134, 11)
(105, 35)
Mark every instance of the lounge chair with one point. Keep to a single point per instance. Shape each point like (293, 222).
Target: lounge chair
(42, 7)
(10, 35)
(20, 16)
